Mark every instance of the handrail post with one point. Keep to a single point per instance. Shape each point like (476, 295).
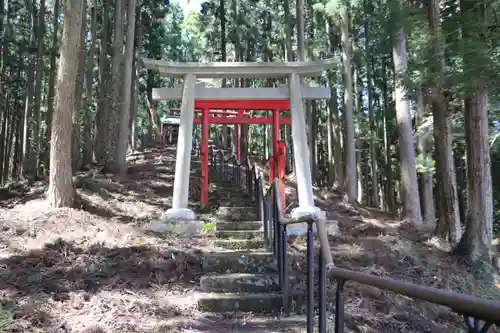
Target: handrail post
(339, 307)
(284, 288)
(265, 212)
(310, 278)
(322, 293)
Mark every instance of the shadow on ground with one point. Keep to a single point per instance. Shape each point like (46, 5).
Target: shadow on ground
(62, 267)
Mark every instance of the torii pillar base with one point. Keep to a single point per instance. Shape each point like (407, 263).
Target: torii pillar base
(177, 221)
(300, 229)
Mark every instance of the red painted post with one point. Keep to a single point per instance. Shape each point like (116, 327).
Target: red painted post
(273, 163)
(241, 113)
(281, 172)
(222, 107)
(204, 159)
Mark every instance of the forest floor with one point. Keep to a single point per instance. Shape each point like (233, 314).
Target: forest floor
(98, 269)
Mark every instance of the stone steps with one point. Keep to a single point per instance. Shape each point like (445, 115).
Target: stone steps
(238, 234)
(241, 322)
(239, 244)
(240, 274)
(239, 262)
(247, 302)
(240, 282)
(236, 214)
(238, 225)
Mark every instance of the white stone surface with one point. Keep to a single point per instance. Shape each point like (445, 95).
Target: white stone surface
(300, 148)
(184, 145)
(178, 214)
(308, 210)
(240, 69)
(178, 221)
(177, 227)
(301, 228)
(204, 93)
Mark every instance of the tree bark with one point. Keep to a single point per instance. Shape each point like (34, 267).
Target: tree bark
(125, 110)
(77, 114)
(51, 84)
(27, 164)
(449, 213)
(478, 235)
(101, 134)
(426, 179)
(350, 145)
(89, 79)
(373, 127)
(113, 119)
(410, 195)
(38, 89)
(61, 192)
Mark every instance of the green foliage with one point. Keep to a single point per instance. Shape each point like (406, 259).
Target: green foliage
(6, 317)
(208, 228)
(424, 163)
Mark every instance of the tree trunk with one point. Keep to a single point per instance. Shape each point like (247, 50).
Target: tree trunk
(61, 192)
(27, 164)
(3, 96)
(77, 114)
(135, 82)
(449, 213)
(410, 195)
(350, 144)
(426, 179)
(225, 133)
(152, 109)
(373, 127)
(101, 134)
(125, 114)
(358, 141)
(478, 234)
(51, 84)
(89, 79)
(38, 89)
(133, 107)
(389, 183)
(113, 119)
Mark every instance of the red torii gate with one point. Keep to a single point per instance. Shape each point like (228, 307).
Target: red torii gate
(203, 108)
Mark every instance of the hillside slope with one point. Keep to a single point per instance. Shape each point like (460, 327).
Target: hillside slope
(99, 269)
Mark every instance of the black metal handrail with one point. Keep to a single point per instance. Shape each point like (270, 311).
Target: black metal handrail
(473, 309)
(231, 169)
(268, 206)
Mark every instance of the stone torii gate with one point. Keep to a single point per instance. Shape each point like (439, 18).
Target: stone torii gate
(190, 91)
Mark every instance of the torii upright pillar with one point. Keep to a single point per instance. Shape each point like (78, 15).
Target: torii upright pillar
(180, 210)
(301, 152)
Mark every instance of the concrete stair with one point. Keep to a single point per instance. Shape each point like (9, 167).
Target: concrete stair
(246, 302)
(240, 274)
(234, 226)
(238, 234)
(239, 244)
(240, 282)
